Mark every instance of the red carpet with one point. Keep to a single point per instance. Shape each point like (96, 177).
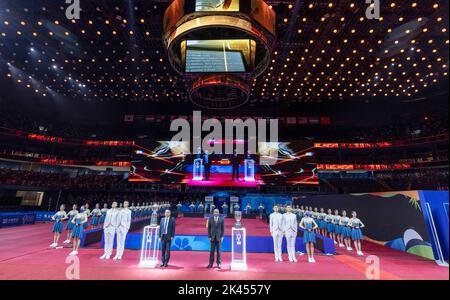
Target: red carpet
(24, 254)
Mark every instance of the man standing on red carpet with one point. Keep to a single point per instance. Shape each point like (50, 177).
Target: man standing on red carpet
(290, 232)
(110, 228)
(276, 230)
(216, 229)
(166, 235)
(122, 230)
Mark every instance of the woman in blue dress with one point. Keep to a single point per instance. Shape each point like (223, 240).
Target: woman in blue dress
(201, 207)
(322, 224)
(301, 212)
(309, 236)
(337, 228)
(315, 216)
(69, 226)
(357, 236)
(78, 221)
(58, 218)
(103, 211)
(87, 212)
(330, 226)
(346, 230)
(96, 214)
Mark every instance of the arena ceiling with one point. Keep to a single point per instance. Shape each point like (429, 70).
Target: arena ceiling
(326, 51)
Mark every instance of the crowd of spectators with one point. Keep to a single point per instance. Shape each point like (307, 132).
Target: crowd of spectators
(380, 181)
(20, 120)
(133, 197)
(417, 179)
(55, 180)
(400, 130)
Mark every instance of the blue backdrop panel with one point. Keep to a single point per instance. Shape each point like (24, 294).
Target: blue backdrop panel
(255, 244)
(438, 201)
(16, 219)
(44, 216)
(267, 200)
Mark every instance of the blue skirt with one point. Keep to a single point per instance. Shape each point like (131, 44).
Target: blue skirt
(309, 237)
(330, 227)
(357, 234)
(338, 229)
(86, 224)
(322, 224)
(94, 221)
(346, 231)
(78, 231)
(58, 227)
(102, 219)
(69, 225)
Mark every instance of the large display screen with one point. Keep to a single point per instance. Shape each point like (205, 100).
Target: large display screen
(216, 56)
(217, 5)
(170, 162)
(295, 163)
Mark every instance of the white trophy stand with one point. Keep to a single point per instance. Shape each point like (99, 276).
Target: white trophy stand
(198, 169)
(150, 247)
(249, 170)
(239, 249)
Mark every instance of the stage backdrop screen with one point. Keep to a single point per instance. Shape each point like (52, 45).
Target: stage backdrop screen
(217, 5)
(217, 56)
(170, 162)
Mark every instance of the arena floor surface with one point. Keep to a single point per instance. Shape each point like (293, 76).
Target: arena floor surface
(24, 254)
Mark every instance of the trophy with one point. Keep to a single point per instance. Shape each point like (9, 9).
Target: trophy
(238, 244)
(238, 218)
(154, 218)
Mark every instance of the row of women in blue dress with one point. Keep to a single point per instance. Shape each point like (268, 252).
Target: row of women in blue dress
(92, 219)
(339, 227)
(77, 222)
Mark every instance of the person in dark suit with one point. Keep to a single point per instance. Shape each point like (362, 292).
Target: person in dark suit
(235, 160)
(207, 164)
(216, 229)
(166, 234)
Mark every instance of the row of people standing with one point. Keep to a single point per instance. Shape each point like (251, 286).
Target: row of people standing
(80, 220)
(286, 225)
(337, 226)
(145, 210)
(77, 222)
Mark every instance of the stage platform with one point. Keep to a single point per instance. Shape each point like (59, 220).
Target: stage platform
(24, 254)
(220, 179)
